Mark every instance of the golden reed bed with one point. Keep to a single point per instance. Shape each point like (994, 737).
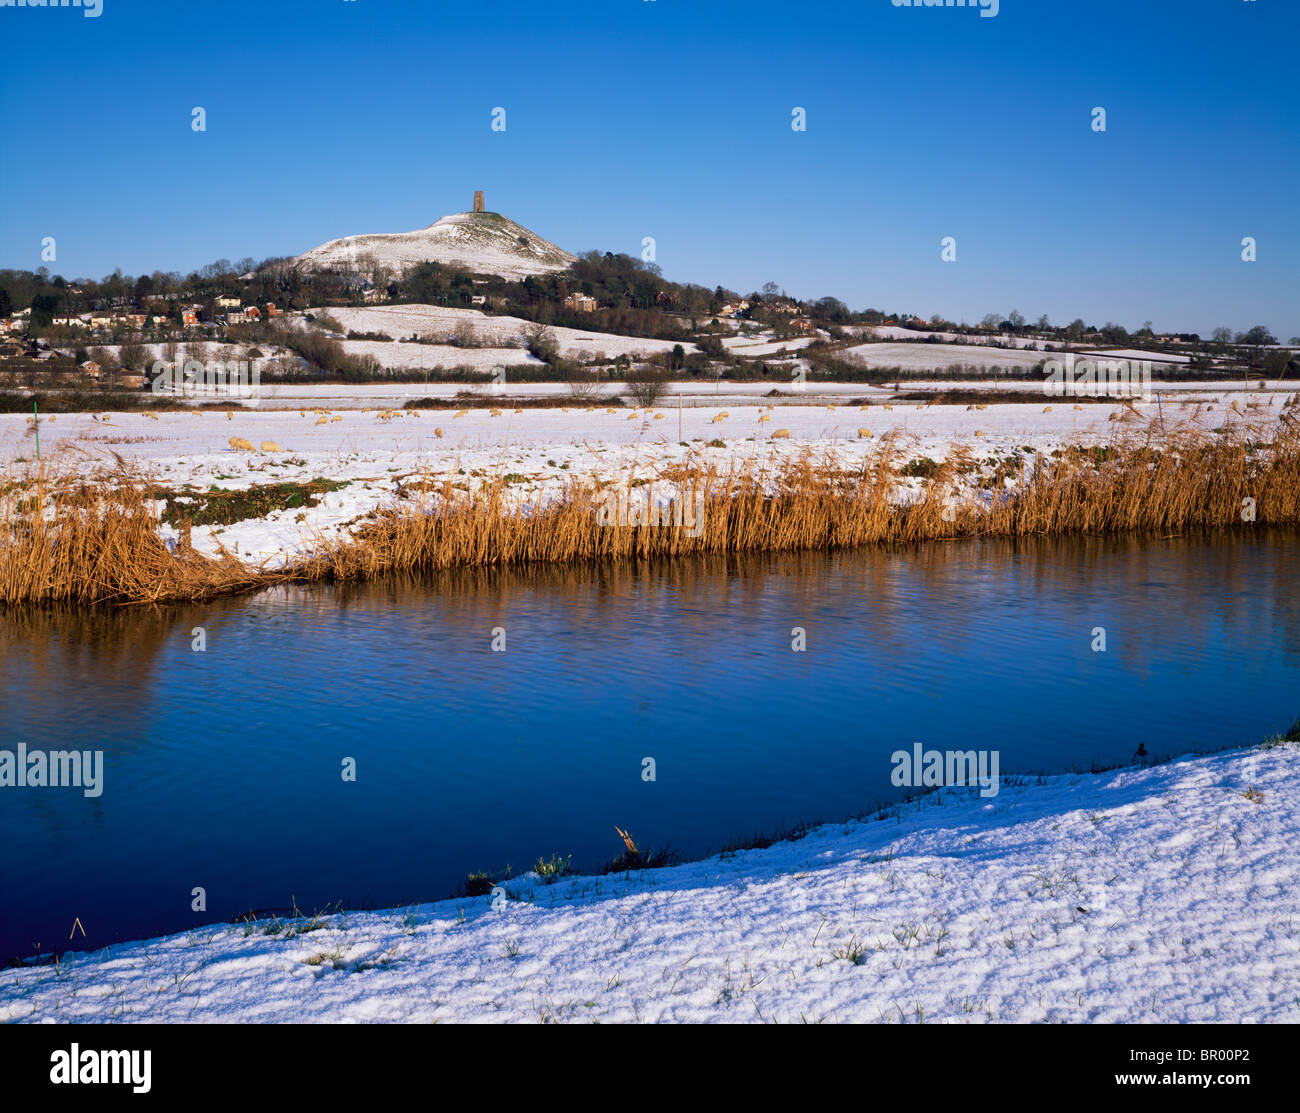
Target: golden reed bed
(67, 541)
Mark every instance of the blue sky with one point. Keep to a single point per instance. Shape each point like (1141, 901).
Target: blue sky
(663, 118)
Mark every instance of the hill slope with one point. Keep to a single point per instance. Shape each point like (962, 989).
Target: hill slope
(486, 243)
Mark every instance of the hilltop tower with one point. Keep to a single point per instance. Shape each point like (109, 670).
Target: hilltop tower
(478, 200)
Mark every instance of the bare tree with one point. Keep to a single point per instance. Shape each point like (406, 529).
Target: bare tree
(646, 385)
(541, 342)
(584, 385)
(133, 355)
(464, 335)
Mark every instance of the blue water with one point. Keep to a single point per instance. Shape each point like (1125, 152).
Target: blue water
(223, 768)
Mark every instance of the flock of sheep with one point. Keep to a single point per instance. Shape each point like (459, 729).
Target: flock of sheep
(324, 417)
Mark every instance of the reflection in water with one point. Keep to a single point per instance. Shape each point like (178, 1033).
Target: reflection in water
(222, 768)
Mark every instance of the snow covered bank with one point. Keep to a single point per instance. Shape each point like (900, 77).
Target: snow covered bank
(1161, 894)
(372, 452)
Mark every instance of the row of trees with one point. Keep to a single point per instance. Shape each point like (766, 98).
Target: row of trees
(633, 297)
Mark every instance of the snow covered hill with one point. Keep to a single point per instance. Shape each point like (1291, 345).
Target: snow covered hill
(486, 243)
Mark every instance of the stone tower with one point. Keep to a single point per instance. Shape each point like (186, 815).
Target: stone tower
(478, 200)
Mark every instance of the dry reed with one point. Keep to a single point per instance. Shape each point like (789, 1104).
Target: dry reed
(65, 540)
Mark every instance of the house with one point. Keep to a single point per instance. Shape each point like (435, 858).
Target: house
(91, 369)
(252, 313)
(189, 317)
(228, 303)
(271, 310)
(580, 302)
(478, 299)
(237, 317)
(803, 324)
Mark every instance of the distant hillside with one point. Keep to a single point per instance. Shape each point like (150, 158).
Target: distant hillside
(486, 243)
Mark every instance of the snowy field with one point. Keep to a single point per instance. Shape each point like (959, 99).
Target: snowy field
(374, 450)
(505, 338)
(1141, 895)
(931, 357)
(894, 332)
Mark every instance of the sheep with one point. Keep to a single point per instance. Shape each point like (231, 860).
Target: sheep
(864, 432)
(337, 417)
(659, 417)
(495, 413)
(462, 413)
(241, 445)
(1078, 407)
(271, 446)
(780, 434)
(764, 417)
(151, 417)
(1047, 409)
(979, 432)
(437, 432)
(322, 420)
(230, 416)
